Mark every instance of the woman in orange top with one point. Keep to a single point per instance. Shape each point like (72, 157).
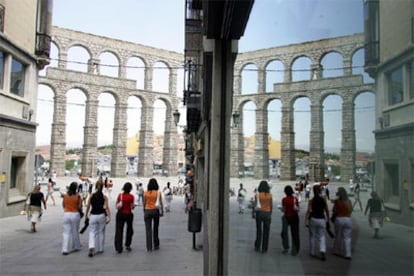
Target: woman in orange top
(152, 213)
(71, 203)
(342, 210)
(263, 216)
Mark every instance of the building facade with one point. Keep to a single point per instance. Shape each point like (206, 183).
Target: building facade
(389, 43)
(24, 49)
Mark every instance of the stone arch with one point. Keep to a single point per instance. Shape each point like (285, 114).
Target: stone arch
(136, 70)
(109, 63)
(364, 119)
(161, 76)
(249, 78)
(275, 70)
(81, 64)
(332, 63)
(301, 68)
(301, 120)
(106, 117)
(358, 63)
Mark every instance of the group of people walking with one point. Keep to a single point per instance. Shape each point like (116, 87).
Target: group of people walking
(318, 220)
(98, 214)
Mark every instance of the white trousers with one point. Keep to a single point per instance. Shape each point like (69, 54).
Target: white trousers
(343, 232)
(317, 235)
(71, 239)
(97, 232)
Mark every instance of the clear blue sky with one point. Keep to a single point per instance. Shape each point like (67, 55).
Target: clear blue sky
(160, 23)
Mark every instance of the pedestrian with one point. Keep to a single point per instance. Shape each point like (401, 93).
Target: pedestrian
(140, 191)
(357, 190)
(72, 205)
(50, 190)
(341, 213)
(124, 215)
(168, 197)
(241, 196)
(262, 212)
(317, 217)
(99, 216)
(34, 210)
(152, 214)
(375, 205)
(290, 209)
(307, 190)
(110, 187)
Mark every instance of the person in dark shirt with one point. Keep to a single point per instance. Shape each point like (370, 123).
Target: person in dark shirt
(376, 214)
(34, 211)
(99, 216)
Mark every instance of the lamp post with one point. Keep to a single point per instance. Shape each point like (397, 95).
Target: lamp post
(236, 117)
(176, 116)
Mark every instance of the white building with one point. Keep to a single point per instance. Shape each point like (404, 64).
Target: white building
(24, 49)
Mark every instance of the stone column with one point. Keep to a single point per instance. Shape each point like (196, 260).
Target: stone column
(287, 170)
(348, 139)
(237, 84)
(170, 150)
(261, 89)
(146, 141)
(148, 78)
(58, 141)
(90, 137)
(261, 149)
(288, 74)
(122, 68)
(347, 66)
(172, 82)
(316, 162)
(118, 160)
(316, 71)
(237, 149)
(62, 62)
(93, 66)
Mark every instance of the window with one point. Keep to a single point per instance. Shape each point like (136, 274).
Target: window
(17, 172)
(17, 78)
(411, 76)
(1, 69)
(392, 177)
(395, 86)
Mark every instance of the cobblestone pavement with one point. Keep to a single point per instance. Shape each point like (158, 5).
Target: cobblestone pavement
(26, 253)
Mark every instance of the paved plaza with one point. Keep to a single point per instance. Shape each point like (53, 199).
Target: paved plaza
(26, 253)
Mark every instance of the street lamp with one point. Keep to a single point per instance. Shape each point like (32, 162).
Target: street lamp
(176, 116)
(236, 117)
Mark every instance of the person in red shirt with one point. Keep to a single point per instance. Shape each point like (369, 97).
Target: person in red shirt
(290, 209)
(124, 215)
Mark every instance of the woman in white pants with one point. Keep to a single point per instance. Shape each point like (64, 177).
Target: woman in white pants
(317, 215)
(342, 210)
(99, 216)
(71, 203)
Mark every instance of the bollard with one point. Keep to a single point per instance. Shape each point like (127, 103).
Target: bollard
(194, 223)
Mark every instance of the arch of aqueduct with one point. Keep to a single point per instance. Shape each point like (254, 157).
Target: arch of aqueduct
(61, 80)
(316, 89)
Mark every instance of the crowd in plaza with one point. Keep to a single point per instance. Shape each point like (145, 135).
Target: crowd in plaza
(318, 217)
(90, 201)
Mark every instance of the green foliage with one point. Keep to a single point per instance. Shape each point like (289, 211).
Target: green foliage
(332, 156)
(300, 154)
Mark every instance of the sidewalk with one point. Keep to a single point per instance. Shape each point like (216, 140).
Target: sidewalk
(26, 253)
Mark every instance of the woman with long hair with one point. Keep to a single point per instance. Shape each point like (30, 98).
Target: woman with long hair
(99, 216)
(152, 214)
(342, 211)
(317, 215)
(290, 209)
(124, 215)
(71, 203)
(263, 216)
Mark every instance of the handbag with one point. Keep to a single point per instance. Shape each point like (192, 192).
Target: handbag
(119, 203)
(157, 203)
(258, 205)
